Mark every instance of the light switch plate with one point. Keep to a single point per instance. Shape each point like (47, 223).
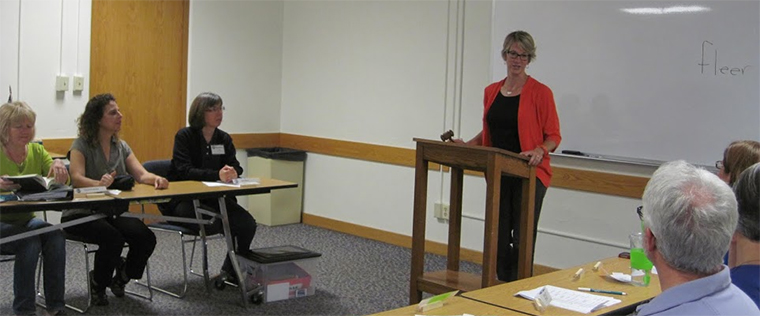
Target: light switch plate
(78, 83)
(61, 83)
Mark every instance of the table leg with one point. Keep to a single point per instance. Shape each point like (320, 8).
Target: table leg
(231, 251)
(204, 257)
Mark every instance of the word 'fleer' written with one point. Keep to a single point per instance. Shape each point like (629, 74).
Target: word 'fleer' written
(723, 69)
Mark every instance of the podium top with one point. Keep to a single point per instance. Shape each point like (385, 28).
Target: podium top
(481, 158)
(483, 148)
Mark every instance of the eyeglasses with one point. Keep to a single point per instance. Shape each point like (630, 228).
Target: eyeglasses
(638, 211)
(719, 164)
(215, 109)
(513, 54)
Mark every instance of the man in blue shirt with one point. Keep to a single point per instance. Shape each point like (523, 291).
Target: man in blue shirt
(689, 216)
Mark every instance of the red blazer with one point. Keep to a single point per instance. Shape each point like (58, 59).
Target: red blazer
(537, 120)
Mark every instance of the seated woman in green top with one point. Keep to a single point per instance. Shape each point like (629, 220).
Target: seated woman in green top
(18, 156)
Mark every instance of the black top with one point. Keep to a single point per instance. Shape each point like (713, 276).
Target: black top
(502, 121)
(194, 159)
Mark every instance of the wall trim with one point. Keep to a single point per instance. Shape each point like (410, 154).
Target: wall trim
(58, 145)
(566, 178)
(401, 240)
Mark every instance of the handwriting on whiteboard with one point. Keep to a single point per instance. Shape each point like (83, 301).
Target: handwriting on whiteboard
(710, 55)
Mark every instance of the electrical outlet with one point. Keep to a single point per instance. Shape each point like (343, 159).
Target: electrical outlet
(78, 83)
(441, 211)
(61, 83)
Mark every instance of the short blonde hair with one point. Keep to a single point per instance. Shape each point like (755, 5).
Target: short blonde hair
(523, 39)
(11, 113)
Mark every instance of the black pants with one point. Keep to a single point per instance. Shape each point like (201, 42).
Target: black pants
(110, 234)
(242, 223)
(509, 225)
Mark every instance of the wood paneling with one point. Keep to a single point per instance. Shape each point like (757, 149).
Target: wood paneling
(599, 182)
(348, 149)
(139, 54)
(58, 145)
(243, 141)
(566, 178)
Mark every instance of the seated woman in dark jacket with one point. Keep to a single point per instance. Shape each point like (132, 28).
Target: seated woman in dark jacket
(203, 152)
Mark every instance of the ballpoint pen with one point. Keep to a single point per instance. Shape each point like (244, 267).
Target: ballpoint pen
(600, 291)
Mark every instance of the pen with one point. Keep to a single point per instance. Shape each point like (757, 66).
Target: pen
(601, 291)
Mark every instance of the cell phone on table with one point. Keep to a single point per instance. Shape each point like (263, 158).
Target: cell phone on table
(8, 197)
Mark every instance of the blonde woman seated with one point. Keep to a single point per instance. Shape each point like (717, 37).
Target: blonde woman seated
(18, 156)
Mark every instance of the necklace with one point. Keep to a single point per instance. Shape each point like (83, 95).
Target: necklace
(514, 88)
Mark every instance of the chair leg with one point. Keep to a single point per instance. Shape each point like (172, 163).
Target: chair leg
(182, 293)
(39, 280)
(204, 261)
(83, 310)
(205, 273)
(192, 258)
(80, 310)
(147, 285)
(87, 251)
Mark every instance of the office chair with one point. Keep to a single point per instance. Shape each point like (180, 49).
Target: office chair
(7, 257)
(186, 235)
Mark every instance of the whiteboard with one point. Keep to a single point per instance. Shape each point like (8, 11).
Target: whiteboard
(657, 86)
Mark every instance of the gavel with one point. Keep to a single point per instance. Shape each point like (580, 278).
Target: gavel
(447, 136)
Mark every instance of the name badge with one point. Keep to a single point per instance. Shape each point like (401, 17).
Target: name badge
(217, 149)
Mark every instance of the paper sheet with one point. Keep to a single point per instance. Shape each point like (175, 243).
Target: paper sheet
(219, 184)
(246, 181)
(626, 278)
(572, 300)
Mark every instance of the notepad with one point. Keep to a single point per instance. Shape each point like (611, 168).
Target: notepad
(576, 301)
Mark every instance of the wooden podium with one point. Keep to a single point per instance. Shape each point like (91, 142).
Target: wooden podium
(493, 162)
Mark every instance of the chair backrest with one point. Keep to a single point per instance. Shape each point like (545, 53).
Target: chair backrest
(158, 167)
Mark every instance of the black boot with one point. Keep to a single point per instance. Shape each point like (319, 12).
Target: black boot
(119, 280)
(98, 292)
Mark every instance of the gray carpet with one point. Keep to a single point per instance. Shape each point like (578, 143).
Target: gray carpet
(354, 276)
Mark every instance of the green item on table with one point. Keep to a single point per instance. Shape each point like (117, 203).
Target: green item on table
(640, 261)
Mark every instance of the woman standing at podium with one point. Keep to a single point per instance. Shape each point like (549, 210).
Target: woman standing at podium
(519, 116)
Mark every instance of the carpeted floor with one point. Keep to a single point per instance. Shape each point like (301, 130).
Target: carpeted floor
(354, 276)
